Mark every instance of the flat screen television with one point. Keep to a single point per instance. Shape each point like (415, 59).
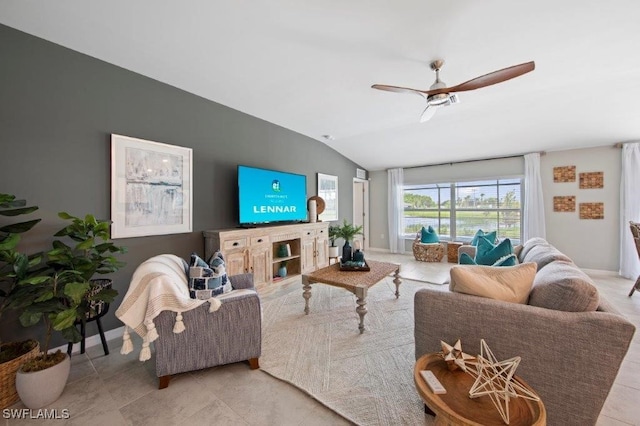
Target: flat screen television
(267, 196)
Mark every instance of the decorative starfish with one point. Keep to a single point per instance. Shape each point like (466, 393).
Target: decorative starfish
(455, 358)
(495, 379)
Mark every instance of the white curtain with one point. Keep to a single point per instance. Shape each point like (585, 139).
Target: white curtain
(533, 223)
(395, 206)
(629, 209)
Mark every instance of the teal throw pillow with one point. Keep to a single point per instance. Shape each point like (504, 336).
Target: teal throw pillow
(491, 236)
(465, 259)
(429, 235)
(495, 255)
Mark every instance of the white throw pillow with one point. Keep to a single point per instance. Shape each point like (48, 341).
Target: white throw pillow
(506, 283)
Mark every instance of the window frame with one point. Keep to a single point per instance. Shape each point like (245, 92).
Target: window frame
(454, 209)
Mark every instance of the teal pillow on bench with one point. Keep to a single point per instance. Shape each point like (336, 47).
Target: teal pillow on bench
(429, 235)
(491, 236)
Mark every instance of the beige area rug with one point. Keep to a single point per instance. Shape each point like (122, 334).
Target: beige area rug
(367, 378)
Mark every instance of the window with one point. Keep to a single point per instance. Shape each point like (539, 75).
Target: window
(488, 205)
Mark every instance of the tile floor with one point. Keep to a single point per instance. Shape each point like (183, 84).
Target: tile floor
(120, 390)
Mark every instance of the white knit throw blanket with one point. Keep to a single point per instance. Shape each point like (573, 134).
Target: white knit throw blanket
(158, 284)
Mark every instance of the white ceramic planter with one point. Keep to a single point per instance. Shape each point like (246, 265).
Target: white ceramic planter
(333, 251)
(38, 389)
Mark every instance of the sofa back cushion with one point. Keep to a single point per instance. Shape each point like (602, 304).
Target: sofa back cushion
(528, 245)
(563, 286)
(544, 254)
(508, 283)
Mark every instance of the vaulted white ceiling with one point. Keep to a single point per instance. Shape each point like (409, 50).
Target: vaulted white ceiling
(308, 66)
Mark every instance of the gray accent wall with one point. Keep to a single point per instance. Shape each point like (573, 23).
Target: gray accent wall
(592, 244)
(58, 109)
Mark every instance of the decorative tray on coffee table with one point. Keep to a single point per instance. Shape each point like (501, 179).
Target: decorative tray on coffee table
(354, 266)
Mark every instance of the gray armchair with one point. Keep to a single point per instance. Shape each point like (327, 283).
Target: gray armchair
(231, 334)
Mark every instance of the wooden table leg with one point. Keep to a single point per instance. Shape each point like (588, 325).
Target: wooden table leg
(361, 294)
(396, 281)
(306, 294)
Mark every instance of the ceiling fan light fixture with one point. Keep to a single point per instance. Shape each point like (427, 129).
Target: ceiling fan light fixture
(443, 99)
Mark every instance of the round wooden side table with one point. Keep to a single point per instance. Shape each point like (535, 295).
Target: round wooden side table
(456, 408)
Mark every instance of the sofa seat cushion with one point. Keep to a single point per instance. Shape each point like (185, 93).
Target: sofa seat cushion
(544, 254)
(563, 286)
(509, 283)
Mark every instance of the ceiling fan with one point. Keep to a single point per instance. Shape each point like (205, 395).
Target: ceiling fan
(439, 95)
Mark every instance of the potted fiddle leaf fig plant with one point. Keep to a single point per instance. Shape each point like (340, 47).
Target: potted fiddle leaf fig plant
(14, 266)
(61, 298)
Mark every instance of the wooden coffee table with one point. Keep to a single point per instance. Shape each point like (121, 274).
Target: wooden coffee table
(357, 282)
(456, 408)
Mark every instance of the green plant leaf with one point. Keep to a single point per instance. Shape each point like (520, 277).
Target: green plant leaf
(34, 280)
(65, 215)
(71, 334)
(18, 228)
(18, 211)
(10, 242)
(86, 245)
(76, 291)
(28, 318)
(46, 296)
(64, 319)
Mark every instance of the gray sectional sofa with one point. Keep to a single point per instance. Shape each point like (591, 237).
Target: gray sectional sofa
(571, 340)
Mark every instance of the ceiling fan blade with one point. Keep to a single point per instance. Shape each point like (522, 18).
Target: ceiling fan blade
(396, 89)
(428, 112)
(495, 77)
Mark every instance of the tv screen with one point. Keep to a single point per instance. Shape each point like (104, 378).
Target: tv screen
(271, 196)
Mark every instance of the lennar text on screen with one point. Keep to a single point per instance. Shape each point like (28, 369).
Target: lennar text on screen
(274, 209)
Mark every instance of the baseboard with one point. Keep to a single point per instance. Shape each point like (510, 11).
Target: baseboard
(379, 250)
(93, 340)
(601, 272)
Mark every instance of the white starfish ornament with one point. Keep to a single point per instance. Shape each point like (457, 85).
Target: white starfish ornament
(495, 379)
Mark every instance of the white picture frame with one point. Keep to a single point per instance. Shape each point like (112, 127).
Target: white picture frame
(328, 191)
(151, 188)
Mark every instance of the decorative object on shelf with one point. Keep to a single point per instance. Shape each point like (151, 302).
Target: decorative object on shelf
(333, 235)
(592, 180)
(455, 358)
(495, 379)
(284, 250)
(591, 210)
(320, 206)
(313, 214)
(151, 188)
(328, 191)
(564, 203)
(564, 174)
(282, 270)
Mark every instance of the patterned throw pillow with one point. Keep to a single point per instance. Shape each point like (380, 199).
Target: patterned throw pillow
(489, 254)
(205, 280)
(429, 235)
(491, 236)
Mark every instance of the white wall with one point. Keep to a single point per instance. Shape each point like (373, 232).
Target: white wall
(592, 244)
